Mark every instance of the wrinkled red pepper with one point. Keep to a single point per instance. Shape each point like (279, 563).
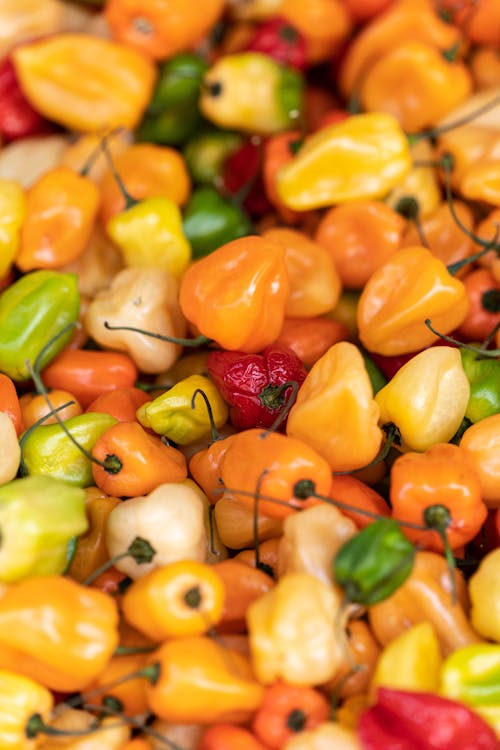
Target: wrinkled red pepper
(281, 41)
(242, 178)
(252, 384)
(18, 119)
(403, 720)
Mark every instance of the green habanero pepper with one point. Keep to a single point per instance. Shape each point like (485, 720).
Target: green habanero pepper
(210, 220)
(377, 378)
(173, 115)
(207, 152)
(33, 310)
(47, 450)
(472, 675)
(39, 516)
(372, 565)
(484, 378)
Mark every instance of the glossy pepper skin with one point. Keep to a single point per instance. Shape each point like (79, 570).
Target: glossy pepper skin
(280, 40)
(21, 699)
(484, 378)
(250, 91)
(57, 632)
(237, 294)
(18, 119)
(172, 115)
(374, 563)
(38, 517)
(48, 451)
(32, 311)
(407, 720)
(252, 384)
(210, 220)
(363, 156)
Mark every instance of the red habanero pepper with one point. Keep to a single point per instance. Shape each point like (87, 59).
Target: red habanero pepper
(88, 374)
(9, 402)
(402, 720)
(256, 386)
(242, 176)
(18, 119)
(281, 41)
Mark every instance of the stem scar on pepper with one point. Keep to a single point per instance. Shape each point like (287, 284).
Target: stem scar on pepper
(139, 550)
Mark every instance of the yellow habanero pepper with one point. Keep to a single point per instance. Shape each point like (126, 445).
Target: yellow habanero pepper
(181, 413)
(12, 213)
(298, 643)
(327, 735)
(21, 699)
(364, 156)
(83, 82)
(412, 661)
(484, 591)
(335, 412)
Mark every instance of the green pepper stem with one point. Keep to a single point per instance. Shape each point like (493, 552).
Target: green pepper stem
(437, 131)
(151, 672)
(393, 437)
(36, 725)
(94, 155)
(198, 341)
(438, 518)
(130, 201)
(484, 353)
(139, 550)
(294, 386)
(213, 427)
(409, 208)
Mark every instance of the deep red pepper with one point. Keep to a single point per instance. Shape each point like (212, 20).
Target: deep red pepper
(281, 41)
(242, 178)
(18, 119)
(403, 720)
(252, 384)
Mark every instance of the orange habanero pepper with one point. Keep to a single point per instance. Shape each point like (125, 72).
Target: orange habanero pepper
(310, 338)
(237, 294)
(57, 632)
(131, 693)
(481, 441)
(147, 170)
(411, 287)
(200, 681)
(278, 466)
(161, 28)
(229, 737)
(61, 209)
(443, 476)
(9, 402)
(360, 237)
(88, 374)
(132, 462)
(205, 468)
(242, 584)
(355, 494)
(324, 24)
(34, 407)
(121, 403)
(483, 290)
(279, 149)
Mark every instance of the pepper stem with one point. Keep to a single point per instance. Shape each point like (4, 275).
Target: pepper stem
(409, 208)
(437, 131)
(36, 725)
(198, 341)
(393, 437)
(139, 550)
(36, 424)
(213, 427)
(438, 518)
(130, 201)
(258, 563)
(286, 408)
(132, 721)
(485, 353)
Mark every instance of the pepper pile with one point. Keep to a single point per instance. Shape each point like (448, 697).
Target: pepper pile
(250, 375)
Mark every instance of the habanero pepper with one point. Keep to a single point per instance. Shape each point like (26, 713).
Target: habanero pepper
(483, 376)
(412, 719)
(280, 40)
(18, 119)
(22, 697)
(256, 386)
(12, 217)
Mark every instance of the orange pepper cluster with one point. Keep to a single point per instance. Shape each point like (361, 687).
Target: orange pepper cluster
(249, 374)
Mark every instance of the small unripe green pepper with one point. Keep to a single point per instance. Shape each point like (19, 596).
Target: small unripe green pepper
(484, 379)
(48, 450)
(38, 518)
(211, 221)
(173, 115)
(206, 153)
(372, 565)
(33, 310)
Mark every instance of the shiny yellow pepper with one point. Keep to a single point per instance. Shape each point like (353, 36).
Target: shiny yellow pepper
(484, 592)
(12, 213)
(22, 698)
(364, 156)
(181, 413)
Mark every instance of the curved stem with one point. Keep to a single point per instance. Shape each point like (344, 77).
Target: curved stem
(284, 412)
(437, 131)
(130, 201)
(198, 341)
(213, 427)
(393, 437)
(485, 353)
(139, 550)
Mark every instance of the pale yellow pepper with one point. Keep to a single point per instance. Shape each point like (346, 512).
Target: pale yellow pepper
(144, 298)
(294, 632)
(326, 736)
(484, 592)
(22, 697)
(412, 661)
(364, 156)
(12, 214)
(427, 398)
